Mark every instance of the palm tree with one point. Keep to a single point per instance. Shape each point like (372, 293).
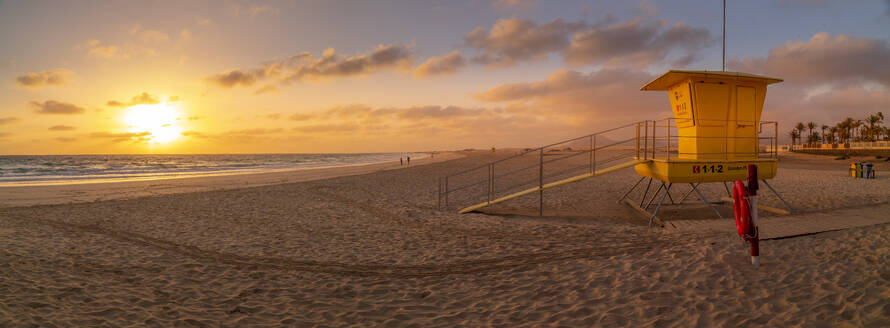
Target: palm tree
(794, 135)
(824, 127)
(810, 126)
(856, 125)
(799, 128)
(843, 130)
(834, 134)
(873, 121)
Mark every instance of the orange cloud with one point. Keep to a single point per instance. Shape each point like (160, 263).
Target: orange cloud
(636, 43)
(606, 95)
(62, 128)
(8, 120)
(148, 35)
(135, 137)
(511, 40)
(330, 65)
(260, 10)
(442, 65)
(55, 107)
(58, 76)
(97, 49)
(824, 59)
(513, 4)
(266, 89)
(141, 99)
(203, 21)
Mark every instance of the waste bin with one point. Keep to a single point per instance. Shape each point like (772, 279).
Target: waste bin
(853, 170)
(867, 171)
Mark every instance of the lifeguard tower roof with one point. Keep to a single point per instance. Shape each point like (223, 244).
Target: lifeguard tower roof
(672, 77)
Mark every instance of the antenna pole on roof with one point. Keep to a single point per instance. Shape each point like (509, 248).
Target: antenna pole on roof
(723, 60)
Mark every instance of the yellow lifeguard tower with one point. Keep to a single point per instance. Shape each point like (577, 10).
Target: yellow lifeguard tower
(713, 136)
(716, 131)
(717, 125)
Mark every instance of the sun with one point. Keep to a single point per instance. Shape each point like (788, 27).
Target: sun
(159, 119)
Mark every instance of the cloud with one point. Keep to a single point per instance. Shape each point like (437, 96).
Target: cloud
(513, 4)
(236, 77)
(65, 139)
(443, 65)
(636, 43)
(304, 66)
(194, 118)
(254, 131)
(185, 34)
(327, 128)
(789, 103)
(58, 76)
(203, 21)
(62, 128)
(147, 35)
(511, 40)
(55, 107)
(266, 89)
(824, 59)
(606, 95)
(9, 120)
(135, 137)
(299, 117)
(260, 10)
(193, 133)
(97, 49)
(141, 99)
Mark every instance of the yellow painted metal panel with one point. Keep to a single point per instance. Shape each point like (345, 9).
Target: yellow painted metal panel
(744, 144)
(672, 77)
(711, 103)
(684, 171)
(681, 105)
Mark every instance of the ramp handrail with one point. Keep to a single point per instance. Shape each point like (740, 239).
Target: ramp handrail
(637, 141)
(519, 163)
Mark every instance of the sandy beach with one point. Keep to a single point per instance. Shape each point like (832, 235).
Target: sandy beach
(366, 246)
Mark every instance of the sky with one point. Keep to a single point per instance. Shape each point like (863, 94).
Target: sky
(104, 77)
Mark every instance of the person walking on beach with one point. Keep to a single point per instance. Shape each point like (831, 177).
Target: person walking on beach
(401, 163)
(409, 160)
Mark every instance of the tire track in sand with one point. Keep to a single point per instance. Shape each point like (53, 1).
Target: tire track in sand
(469, 266)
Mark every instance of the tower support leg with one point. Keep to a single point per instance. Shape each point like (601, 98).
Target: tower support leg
(780, 196)
(700, 195)
(663, 196)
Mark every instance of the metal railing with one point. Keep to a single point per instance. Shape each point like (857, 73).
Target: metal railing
(661, 138)
(537, 167)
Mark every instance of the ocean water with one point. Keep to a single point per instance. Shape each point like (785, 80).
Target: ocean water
(45, 169)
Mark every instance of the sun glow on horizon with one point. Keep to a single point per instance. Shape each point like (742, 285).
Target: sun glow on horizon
(159, 119)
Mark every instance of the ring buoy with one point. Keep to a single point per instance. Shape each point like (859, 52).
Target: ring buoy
(742, 209)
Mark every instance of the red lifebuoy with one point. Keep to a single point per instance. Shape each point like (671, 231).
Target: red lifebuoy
(742, 209)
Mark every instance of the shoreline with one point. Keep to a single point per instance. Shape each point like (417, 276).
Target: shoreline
(15, 194)
(173, 175)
